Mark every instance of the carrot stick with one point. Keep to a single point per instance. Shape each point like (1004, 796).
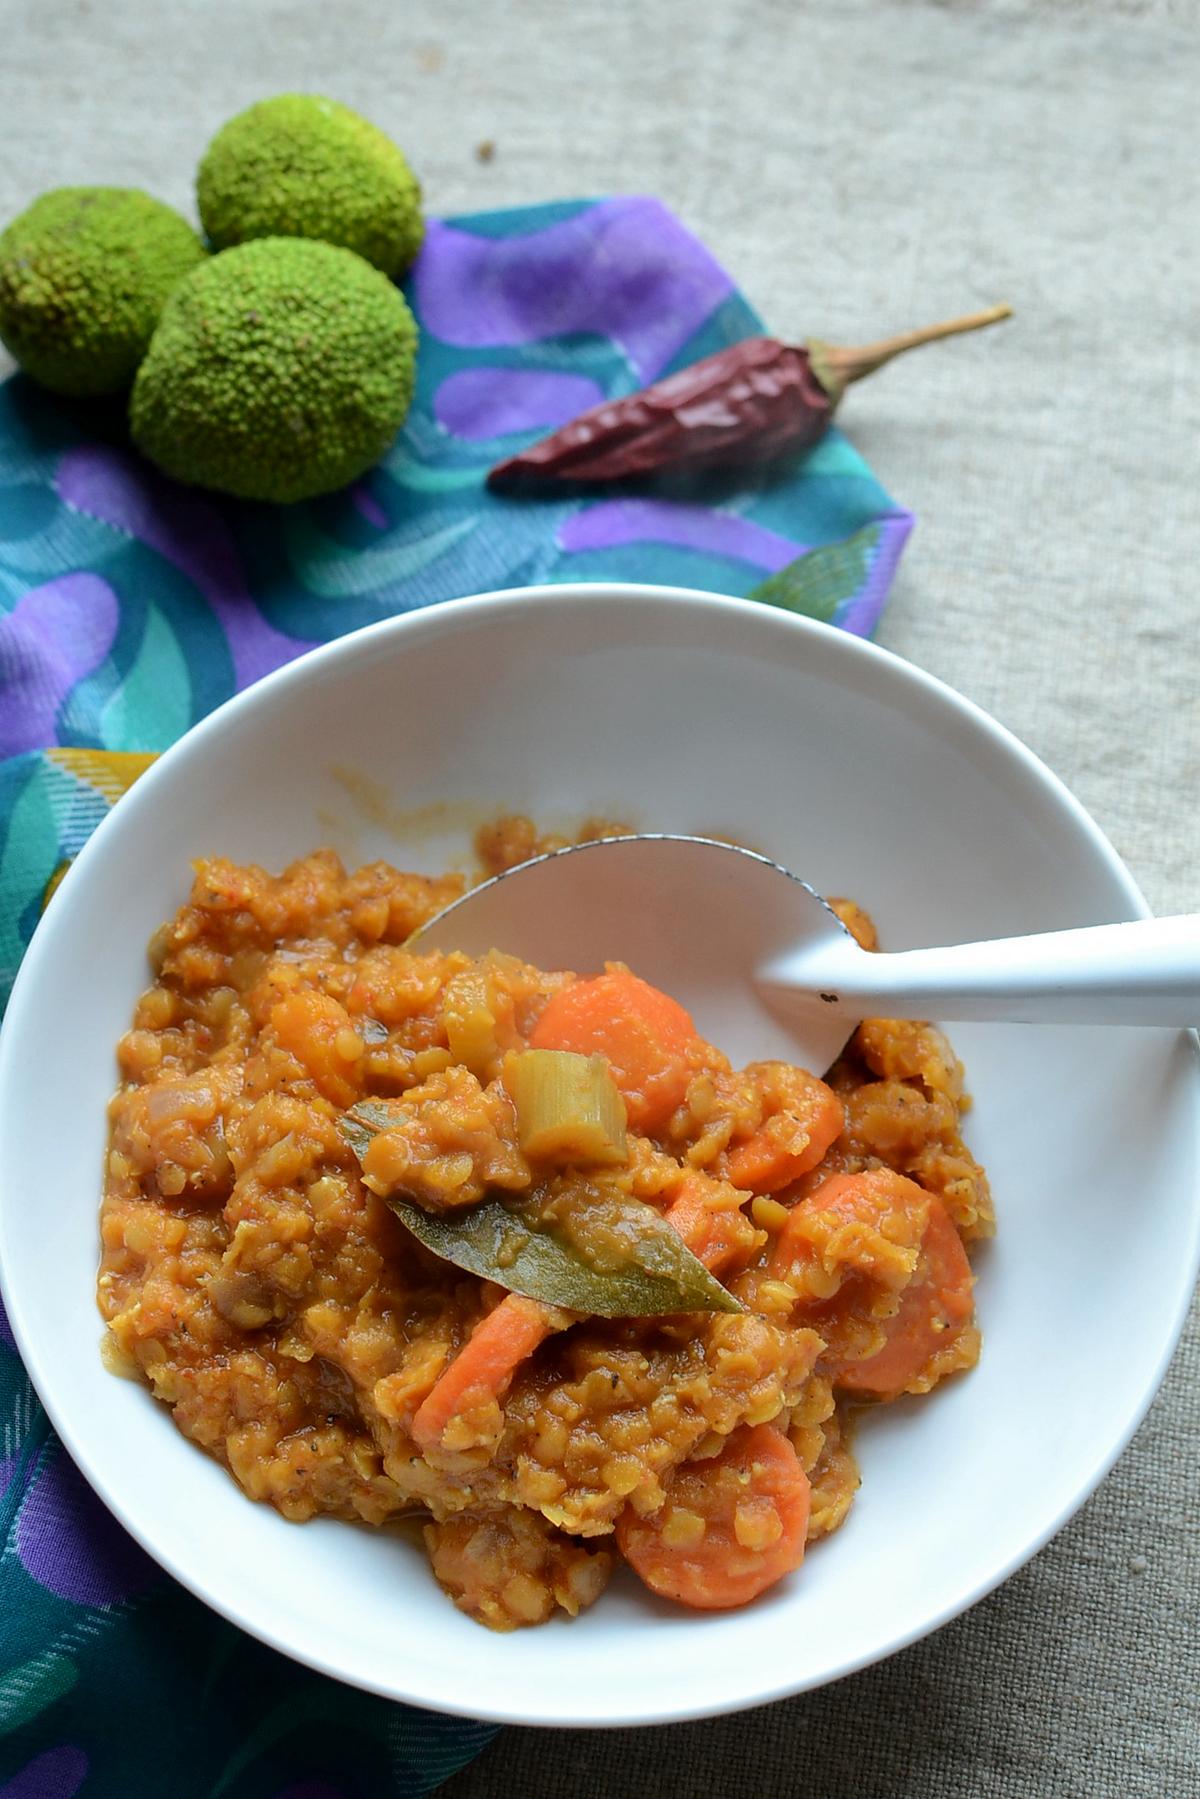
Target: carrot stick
(484, 1367)
(715, 1235)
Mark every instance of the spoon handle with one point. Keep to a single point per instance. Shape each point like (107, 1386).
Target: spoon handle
(1147, 972)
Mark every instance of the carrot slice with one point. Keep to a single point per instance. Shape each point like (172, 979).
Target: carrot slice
(881, 1216)
(730, 1527)
(484, 1367)
(937, 1301)
(645, 1036)
(793, 1139)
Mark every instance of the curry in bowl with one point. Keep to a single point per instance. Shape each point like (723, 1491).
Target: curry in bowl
(517, 1253)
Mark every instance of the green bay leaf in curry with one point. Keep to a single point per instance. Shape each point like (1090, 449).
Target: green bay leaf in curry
(536, 1251)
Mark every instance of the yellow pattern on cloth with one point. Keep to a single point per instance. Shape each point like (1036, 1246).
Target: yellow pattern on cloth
(111, 772)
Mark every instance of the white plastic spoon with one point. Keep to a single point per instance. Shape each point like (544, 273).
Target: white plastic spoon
(767, 969)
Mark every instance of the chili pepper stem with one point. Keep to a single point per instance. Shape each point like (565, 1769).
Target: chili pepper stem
(837, 366)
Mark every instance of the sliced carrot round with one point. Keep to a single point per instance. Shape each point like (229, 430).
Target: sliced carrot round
(875, 1198)
(807, 1119)
(896, 1217)
(731, 1526)
(643, 1034)
(937, 1302)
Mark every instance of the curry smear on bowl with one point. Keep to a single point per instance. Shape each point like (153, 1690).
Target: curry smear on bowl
(394, 1232)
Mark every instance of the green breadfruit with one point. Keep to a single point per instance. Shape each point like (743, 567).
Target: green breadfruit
(279, 370)
(300, 165)
(84, 275)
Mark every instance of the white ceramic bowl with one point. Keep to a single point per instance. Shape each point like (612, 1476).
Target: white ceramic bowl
(689, 713)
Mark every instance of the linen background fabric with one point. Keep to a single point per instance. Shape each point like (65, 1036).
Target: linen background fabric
(858, 169)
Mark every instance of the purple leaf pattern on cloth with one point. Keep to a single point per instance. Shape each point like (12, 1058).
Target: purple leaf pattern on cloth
(57, 1774)
(610, 523)
(186, 527)
(493, 401)
(369, 506)
(73, 1546)
(590, 274)
(53, 636)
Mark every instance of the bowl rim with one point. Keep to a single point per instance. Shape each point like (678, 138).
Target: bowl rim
(931, 695)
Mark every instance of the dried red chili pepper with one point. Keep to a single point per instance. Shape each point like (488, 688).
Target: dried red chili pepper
(748, 403)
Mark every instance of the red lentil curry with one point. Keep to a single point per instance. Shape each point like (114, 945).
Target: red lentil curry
(519, 1252)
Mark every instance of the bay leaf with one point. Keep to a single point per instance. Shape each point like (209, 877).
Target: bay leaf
(524, 1254)
(365, 1121)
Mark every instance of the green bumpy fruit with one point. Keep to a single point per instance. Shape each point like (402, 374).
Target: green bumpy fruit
(304, 166)
(279, 370)
(84, 274)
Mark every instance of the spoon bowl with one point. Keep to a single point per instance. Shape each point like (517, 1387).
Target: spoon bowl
(691, 915)
(767, 968)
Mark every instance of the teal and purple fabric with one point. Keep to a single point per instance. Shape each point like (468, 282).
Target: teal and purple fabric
(129, 608)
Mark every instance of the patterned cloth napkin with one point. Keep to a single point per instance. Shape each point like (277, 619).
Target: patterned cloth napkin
(130, 607)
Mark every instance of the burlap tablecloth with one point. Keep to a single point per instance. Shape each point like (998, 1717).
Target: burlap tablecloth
(859, 167)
